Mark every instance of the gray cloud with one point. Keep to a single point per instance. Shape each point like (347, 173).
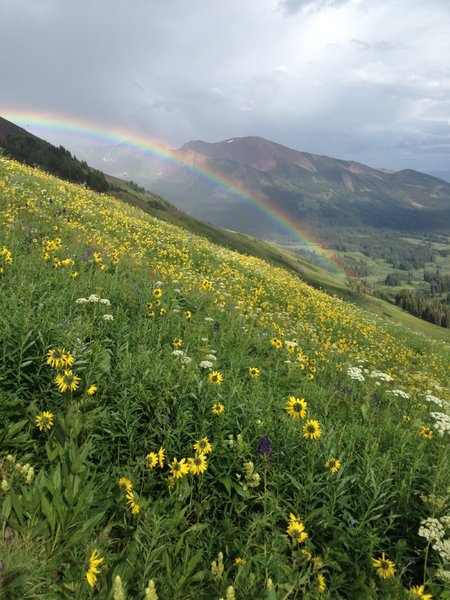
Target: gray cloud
(292, 7)
(353, 79)
(380, 46)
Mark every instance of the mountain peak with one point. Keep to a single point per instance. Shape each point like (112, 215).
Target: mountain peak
(253, 151)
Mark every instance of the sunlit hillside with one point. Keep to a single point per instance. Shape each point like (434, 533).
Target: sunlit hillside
(181, 421)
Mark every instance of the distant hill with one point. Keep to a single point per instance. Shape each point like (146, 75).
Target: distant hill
(32, 150)
(7, 128)
(313, 190)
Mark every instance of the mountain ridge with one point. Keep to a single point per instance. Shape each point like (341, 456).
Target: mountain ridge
(316, 190)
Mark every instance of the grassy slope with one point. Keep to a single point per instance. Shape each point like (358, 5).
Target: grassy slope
(312, 274)
(167, 288)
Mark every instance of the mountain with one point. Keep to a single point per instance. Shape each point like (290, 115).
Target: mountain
(445, 175)
(7, 128)
(311, 190)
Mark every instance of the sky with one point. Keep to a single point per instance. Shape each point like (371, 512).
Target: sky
(365, 80)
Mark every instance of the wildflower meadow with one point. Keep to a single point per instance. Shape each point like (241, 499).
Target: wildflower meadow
(179, 421)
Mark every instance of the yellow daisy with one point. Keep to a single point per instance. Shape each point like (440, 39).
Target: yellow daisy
(296, 407)
(67, 381)
(202, 446)
(215, 377)
(44, 420)
(311, 430)
(385, 567)
(198, 464)
(179, 468)
(93, 570)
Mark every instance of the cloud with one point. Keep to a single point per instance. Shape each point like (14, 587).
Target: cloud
(380, 46)
(339, 77)
(292, 7)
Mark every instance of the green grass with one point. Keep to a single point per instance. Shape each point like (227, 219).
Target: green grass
(60, 497)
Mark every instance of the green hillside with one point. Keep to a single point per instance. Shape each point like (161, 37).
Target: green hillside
(183, 421)
(319, 278)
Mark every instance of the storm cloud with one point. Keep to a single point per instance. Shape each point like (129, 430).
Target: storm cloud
(354, 79)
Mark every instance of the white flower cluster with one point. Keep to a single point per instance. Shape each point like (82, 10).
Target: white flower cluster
(434, 531)
(443, 575)
(431, 529)
(399, 394)
(206, 364)
(93, 298)
(380, 375)
(441, 422)
(184, 359)
(435, 399)
(355, 373)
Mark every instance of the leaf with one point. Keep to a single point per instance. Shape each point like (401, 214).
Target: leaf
(84, 531)
(271, 594)
(6, 508)
(49, 513)
(364, 411)
(226, 481)
(13, 430)
(56, 478)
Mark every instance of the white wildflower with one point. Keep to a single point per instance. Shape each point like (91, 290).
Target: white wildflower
(441, 423)
(380, 375)
(81, 301)
(443, 549)
(432, 530)
(445, 521)
(399, 394)
(355, 373)
(105, 301)
(94, 298)
(185, 360)
(205, 364)
(443, 575)
(108, 318)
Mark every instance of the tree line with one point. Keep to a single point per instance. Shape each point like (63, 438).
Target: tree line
(428, 309)
(57, 161)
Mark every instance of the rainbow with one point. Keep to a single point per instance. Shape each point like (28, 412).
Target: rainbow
(43, 122)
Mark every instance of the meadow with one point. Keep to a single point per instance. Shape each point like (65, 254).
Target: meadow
(182, 421)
